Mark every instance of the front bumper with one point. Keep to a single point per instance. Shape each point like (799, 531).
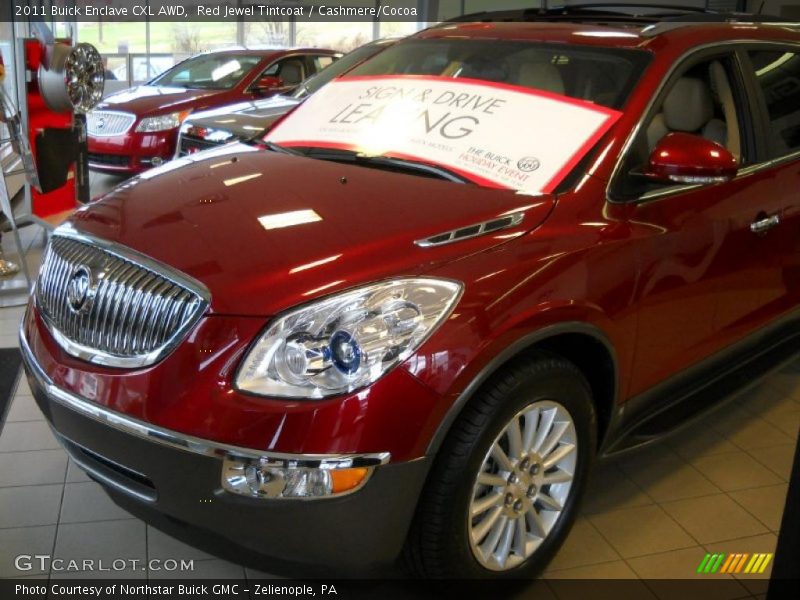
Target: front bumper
(174, 481)
(131, 152)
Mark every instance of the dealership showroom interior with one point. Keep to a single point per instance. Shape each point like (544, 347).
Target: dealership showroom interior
(391, 291)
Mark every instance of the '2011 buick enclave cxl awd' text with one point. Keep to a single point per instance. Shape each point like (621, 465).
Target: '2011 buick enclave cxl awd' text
(407, 320)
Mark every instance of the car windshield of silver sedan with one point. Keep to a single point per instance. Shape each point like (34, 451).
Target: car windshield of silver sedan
(344, 64)
(212, 72)
(503, 114)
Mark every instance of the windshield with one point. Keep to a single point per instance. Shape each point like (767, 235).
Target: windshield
(602, 76)
(344, 64)
(211, 71)
(504, 114)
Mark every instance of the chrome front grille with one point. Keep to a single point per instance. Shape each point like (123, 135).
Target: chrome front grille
(108, 306)
(102, 123)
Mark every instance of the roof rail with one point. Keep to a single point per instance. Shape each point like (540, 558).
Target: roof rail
(616, 13)
(626, 6)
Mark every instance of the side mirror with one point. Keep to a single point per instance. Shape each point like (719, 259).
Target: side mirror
(686, 158)
(268, 83)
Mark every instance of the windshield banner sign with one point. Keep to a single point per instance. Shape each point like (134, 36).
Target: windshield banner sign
(493, 134)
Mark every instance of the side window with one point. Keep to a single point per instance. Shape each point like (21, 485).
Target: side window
(778, 76)
(320, 62)
(272, 70)
(704, 100)
(291, 70)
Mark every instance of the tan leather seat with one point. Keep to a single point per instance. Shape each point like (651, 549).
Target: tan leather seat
(656, 130)
(291, 72)
(688, 108)
(724, 132)
(480, 67)
(717, 131)
(541, 76)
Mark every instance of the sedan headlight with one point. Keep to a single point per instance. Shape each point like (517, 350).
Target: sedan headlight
(347, 341)
(161, 122)
(205, 133)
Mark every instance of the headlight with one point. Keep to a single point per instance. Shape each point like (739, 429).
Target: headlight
(205, 133)
(162, 122)
(347, 341)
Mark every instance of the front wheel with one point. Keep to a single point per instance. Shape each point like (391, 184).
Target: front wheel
(502, 494)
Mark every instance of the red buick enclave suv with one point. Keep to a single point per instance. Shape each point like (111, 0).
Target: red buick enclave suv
(407, 321)
(137, 129)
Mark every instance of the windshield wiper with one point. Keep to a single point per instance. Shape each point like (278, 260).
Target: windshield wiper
(413, 165)
(388, 162)
(277, 148)
(397, 164)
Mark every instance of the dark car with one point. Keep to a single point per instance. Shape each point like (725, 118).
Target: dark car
(244, 120)
(137, 129)
(409, 319)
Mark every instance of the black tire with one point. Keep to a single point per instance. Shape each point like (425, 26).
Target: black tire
(438, 544)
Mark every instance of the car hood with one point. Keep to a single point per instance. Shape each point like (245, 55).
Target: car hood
(225, 218)
(144, 100)
(244, 119)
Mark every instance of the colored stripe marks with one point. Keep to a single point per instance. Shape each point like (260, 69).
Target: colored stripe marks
(719, 562)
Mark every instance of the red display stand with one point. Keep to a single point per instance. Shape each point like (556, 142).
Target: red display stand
(56, 205)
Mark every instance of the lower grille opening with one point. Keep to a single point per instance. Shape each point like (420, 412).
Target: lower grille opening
(111, 473)
(114, 160)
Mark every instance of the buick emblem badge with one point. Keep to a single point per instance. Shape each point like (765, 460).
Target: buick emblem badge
(101, 123)
(80, 290)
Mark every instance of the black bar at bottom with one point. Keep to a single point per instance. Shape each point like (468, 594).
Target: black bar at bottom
(253, 589)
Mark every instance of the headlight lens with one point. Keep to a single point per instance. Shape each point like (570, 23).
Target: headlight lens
(347, 341)
(161, 122)
(205, 133)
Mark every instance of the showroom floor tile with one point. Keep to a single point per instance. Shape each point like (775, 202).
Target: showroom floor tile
(31, 541)
(714, 518)
(87, 502)
(718, 486)
(642, 530)
(123, 540)
(737, 470)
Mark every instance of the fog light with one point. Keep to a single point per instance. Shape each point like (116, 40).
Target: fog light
(154, 161)
(262, 478)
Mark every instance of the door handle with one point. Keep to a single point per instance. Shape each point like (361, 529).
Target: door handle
(763, 225)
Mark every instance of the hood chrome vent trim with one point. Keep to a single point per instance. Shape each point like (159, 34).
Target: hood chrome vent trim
(472, 231)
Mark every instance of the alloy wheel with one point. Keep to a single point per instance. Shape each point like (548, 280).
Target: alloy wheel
(522, 486)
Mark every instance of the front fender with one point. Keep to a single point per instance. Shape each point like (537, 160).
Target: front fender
(498, 354)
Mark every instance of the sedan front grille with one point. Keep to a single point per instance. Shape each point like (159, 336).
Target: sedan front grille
(105, 306)
(104, 123)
